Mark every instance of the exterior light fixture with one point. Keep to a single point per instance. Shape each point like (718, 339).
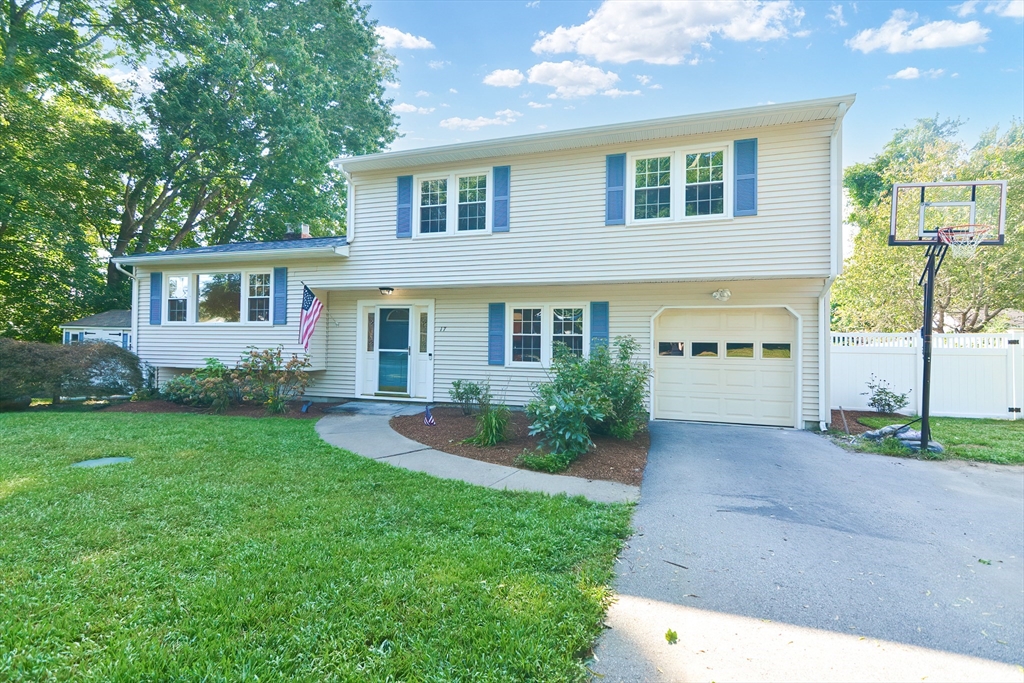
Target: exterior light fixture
(722, 295)
(387, 291)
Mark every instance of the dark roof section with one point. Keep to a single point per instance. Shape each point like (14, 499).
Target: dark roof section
(119, 319)
(236, 247)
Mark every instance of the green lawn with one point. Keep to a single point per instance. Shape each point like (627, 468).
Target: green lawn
(998, 441)
(243, 549)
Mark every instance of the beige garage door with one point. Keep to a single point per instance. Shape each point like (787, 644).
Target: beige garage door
(726, 365)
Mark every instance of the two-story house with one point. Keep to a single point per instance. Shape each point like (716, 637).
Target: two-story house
(712, 239)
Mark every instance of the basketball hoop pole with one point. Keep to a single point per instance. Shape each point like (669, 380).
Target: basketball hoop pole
(931, 269)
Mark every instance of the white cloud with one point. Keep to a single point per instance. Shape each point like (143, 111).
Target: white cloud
(1006, 8)
(663, 32)
(453, 91)
(644, 80)
(895, 35)
(835, 15)
(422, 93)
(615, 92)
(140, 80)
(967, 8)
(571, 79)
(656, 86)
(394, 85)
(392, 38)
(537, 105)
(406, 108)
(438, 64)
(501, 118)
(504, 78)
(533, 3)
(912, 72)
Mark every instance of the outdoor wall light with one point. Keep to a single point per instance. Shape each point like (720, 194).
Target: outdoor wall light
(387, 291)
(722, 295)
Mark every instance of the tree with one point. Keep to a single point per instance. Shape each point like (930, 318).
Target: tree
(878, 289)
(245, 127)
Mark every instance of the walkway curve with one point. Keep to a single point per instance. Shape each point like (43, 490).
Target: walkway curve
(364, 428)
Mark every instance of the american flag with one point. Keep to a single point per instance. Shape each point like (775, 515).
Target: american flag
(311, 308)
(428, 419)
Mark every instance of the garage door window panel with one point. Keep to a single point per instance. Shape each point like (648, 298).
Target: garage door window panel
(704, 349)
(739, 350)
(773, 350)
(671, 348)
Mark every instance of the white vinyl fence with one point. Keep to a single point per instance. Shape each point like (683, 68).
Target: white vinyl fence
(973, 375)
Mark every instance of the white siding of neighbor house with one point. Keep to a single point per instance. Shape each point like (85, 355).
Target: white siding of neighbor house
(187, 345)
(558, 233)
(460, 352)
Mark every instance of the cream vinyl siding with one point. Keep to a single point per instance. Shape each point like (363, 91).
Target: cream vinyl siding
(460, 328)
(187, 345)
(558, 233)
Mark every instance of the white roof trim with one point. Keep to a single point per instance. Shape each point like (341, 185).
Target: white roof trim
(618, 133)
(172, 257)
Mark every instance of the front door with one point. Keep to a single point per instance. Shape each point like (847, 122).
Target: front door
(393, 351)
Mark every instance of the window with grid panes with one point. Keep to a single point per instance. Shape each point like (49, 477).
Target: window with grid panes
(177, 298)
(526, 335)
(567, 328)
(652, 194)
(473, 203)
(434, 206)
(705, 184)
(259, 297)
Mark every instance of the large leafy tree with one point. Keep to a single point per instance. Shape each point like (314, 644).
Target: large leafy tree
(250, 103)
(878, 289)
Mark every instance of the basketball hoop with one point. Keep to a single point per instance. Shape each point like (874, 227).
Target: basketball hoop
(963, 240)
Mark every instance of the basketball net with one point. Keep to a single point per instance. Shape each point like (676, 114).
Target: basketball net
(963, 240)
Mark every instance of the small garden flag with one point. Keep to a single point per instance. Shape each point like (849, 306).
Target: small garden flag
(428, 419)
(311, 308)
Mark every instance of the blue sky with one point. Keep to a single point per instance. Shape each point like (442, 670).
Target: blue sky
(478, 70)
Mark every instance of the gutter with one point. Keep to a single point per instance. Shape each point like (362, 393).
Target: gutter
(170, 257)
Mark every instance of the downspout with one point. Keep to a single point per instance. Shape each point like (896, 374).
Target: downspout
(135, 307)
(350, 204)
(835, 268)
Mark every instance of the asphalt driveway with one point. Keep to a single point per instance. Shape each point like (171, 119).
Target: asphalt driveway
(777, 555)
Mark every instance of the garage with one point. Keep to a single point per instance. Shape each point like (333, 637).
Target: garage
(735, 365)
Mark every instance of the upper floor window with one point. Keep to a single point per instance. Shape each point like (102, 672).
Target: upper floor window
(652, 197)
(473, 202)
(705, 184)
(456, 204)
(177, 298)
(434, 205)
(680, 184)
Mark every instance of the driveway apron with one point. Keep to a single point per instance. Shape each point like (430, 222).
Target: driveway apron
(774, 554)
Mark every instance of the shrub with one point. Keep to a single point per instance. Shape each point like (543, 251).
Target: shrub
(493, 420)
(883, 398)
(55, 370)
(265, 377)
(561, 418)
(624, 382)
(466, 395)
(544, 462)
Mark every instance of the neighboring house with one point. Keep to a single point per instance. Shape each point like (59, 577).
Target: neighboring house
(109, 326)
(713, 239)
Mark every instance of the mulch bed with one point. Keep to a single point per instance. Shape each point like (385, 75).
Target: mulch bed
(852, 419)
(316, 411)
(612, 460)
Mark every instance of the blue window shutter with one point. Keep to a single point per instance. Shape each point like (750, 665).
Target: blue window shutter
(156, 293)
(598, 324)
(67, 337)
(124, 340)
(495, 334)
(745, 200)
(280, 296)
(501, 176)
(615, 190)
(403, 227)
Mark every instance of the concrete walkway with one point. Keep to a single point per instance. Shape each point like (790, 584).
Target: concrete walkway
(362, 428)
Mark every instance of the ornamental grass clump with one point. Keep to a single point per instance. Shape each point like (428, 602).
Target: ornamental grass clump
(492, 421)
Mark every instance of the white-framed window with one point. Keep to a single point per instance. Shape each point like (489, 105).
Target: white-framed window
(452, 204)
(259, 298)
(532, 330)
(676, 185)
(177, 298)
(219, 296)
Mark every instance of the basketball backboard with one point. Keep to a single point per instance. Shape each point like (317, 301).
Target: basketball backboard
(920, 210)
